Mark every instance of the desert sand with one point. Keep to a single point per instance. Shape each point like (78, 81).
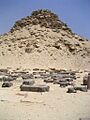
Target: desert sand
(55, 104)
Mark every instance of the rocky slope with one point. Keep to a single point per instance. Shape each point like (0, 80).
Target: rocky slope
(43, 41)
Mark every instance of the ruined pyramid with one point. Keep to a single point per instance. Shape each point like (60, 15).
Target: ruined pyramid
(43, 41)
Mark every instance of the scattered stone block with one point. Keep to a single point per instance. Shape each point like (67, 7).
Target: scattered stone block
(25, 87)
(7, 84)
(48, 80)
(28, 82)
(35, 88)
(88, 82)
(85, 79)
(56, 82)
(71, 90)
(27, 76)
(81, 88)
(8, 78)
(64, 84)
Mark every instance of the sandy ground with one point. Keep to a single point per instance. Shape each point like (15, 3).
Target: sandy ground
(53, 105)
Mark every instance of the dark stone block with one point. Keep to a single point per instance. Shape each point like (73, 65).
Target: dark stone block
(64, 84)
(88, 81)
(28, 82)
(81, 88)
(7, 84)
(71, 90)
(35, 88)
(48, 81)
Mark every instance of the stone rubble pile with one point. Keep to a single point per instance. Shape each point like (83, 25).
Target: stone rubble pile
(44, 18)
(62, 77)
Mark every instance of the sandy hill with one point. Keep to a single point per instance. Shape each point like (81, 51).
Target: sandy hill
(43, 41)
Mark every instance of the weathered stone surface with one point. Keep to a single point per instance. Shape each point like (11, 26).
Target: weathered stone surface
(4, 70)
(44, 18)
(27, 76)
(71, 90)
(35, 88)
(64, 84)
(48, 80)
(81, 88)
(88, 81)
(6, 78)
(85, 78)
(56, 82)
(7, 84)
(28, 82)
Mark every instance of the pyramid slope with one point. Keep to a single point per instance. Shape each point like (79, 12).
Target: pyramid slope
(29, 46)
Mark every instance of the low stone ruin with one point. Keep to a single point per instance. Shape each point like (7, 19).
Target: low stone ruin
(62, 77)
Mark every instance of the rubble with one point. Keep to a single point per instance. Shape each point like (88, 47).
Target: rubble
(81, 88)
(64, 83)
(28, 82)
(7, 84)
(85, 79)
(88, 81)
(45, 18)
(71, 90)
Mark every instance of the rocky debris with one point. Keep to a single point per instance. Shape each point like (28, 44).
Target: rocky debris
(55, 76)
(45, 18)
(48, 80)
(4, 70)
(7, 84)
(71, 90)
(35, 88)
(6, 78)
(85, 79)
(27, 76)
(64, 84)
(28, 82)
(81, 88)
(62, 77)
(88, 81)
(28, 50)
(74, 89)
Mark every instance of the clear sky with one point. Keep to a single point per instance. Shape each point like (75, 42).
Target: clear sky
(76, 13)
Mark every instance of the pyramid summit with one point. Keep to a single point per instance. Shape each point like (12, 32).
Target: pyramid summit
(45, 18)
